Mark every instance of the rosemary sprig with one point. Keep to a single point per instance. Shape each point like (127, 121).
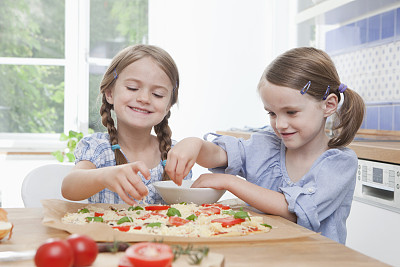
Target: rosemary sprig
(196, 255)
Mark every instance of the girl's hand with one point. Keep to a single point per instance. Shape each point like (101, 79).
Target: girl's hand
(213, 180)
(125, 181)
(182, 157)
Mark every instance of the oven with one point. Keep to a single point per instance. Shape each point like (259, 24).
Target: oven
(373, 226)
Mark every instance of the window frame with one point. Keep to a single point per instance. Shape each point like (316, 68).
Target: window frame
(76, 82)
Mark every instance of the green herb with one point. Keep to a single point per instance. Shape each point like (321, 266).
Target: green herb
(229, 212)
(95, 219)
(183, 203)
(124, 220)
(191, 217)
(196, 255)
(85, 210)
(241, 215)
(266, 225)
(131, 208)
(173, 212)
(155, 224)
(138, 212)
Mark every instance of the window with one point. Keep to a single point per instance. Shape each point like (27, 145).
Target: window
(52, 57)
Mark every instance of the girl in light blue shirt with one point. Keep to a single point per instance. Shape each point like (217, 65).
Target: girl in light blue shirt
(292, 169)
(138, 90)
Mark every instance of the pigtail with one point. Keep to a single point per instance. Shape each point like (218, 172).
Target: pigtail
(108, 122)
(164, 134)
(348, 119)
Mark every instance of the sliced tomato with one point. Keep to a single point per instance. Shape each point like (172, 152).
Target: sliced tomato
(124, 262)
(148, 215)
(208, 211)
(137, 227)
(228, 221)
(124, 228)
(177, 221)
(98, 214)
(157, 207)
(146, 254)
(223, 207)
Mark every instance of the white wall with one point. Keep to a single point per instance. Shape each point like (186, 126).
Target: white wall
(221, 49)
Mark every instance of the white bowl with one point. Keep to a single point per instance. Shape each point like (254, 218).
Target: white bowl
(173, 194)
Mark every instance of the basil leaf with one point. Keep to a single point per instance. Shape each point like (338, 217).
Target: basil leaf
(155, 224)
(191, 217)
(241, 215)
(85, 210)
(266, 225)
(132, 208)
(173, 212)
(95, 219)
(124, 220)
(183, 203)
(229, 212)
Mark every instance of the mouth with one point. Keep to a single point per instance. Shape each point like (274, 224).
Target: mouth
(140, 110)
(287, 135)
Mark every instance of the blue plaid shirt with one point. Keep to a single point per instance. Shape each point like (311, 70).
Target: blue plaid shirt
(96, 148)
(321, 199)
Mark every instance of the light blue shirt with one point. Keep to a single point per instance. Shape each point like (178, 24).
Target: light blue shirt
(321, 199)
(96, 148)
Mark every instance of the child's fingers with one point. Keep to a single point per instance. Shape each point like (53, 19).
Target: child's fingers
(121, 192)
(170, 168)
(140, 166)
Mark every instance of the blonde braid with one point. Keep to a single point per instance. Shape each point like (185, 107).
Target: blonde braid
(108, 122)
(164, 134)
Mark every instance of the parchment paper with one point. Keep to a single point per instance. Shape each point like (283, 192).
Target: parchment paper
(55, 209)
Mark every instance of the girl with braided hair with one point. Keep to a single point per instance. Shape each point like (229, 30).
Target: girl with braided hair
(139, 87)
(292, 169)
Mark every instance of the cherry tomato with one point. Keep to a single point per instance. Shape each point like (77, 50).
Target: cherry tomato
(148, 254)
(54, 252)
(229, 221)
(157, 207)
(98, 214)
(177, 221)
(84, 249)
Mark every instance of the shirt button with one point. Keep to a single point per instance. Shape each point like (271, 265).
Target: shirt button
(311, 190)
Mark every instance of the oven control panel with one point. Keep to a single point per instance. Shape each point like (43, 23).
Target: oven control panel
(378, 183)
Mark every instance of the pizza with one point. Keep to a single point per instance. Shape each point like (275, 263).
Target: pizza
(184, 219)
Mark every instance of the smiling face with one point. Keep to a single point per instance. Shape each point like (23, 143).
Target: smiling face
(141, 95)
(299, 120)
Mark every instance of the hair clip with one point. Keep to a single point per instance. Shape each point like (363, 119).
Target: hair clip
(164, 162)
(326, 93)
(342, 88)
(114, 147)
(115, 74)
(305, 88)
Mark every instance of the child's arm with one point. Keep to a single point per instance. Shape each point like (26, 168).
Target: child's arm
(191, 150)
(86, 180)
(263, 199)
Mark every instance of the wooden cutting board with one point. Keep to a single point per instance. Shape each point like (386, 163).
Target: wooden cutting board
(212, 260)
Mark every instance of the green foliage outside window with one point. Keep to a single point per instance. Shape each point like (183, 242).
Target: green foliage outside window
(32, 96)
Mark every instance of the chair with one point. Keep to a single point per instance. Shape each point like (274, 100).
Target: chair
(44, 182)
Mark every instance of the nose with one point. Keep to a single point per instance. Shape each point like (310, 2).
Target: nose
(281, 123)
(143, 96)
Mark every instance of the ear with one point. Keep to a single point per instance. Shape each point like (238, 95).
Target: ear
(109, 96)
(330, 105)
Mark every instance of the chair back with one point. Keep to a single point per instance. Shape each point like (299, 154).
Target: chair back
(44, 182)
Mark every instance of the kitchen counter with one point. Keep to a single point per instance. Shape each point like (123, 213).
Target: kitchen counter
(376, 148)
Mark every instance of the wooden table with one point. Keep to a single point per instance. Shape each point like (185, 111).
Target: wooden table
(315, 250)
